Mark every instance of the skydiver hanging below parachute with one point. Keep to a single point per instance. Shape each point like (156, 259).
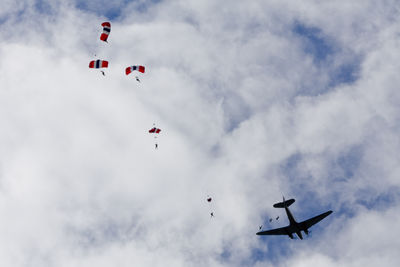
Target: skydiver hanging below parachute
(97, 64)
(138, 68)
(155, 131)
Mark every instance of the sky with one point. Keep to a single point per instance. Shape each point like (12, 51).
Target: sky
(255, 99)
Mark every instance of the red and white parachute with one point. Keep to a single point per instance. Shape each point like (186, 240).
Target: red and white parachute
(139, 68)
(97, 64)
(155, 130)
(106, 31)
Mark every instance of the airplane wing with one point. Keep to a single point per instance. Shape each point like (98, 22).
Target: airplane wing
(277, 231)
(310, 222)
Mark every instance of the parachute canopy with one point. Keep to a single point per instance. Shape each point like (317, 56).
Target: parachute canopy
(128, 70)
(106, 31)
(155, 130)
(96, 64)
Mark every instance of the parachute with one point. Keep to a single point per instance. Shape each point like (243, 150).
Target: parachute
(128, 70)
(155, 130)
(96, 64)
(106, 31)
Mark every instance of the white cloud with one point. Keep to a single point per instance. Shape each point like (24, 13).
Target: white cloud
(238, 101)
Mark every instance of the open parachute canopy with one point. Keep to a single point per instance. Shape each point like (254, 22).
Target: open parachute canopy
(155, 130)
(106, 31)
(128, 70)
(97, 64)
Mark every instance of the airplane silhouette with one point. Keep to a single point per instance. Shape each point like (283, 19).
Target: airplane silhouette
(294, 227)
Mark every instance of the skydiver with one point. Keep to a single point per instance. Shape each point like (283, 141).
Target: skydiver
(260, 227)
(270, 219)
(212, 214)
(137, 78)
(277, 218)
(156, 146)
(102, 72)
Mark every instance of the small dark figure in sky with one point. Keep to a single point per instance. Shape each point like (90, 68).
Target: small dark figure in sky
(102, 72)
(270, 219)
(156, 146)
(137, 78)
(260, 227)
(212, 214)
(277, 218)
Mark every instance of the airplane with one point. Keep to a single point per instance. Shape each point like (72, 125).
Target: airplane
(293, 227)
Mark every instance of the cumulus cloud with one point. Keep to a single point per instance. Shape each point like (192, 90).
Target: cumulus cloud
(254, 100)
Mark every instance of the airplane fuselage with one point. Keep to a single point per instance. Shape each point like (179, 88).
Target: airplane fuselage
(293, 224)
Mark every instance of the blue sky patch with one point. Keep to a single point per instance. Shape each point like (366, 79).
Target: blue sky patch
(110, 13)
(111, 10)
(225, 255)
(315, 42)
(381, 201)
(324, 51)
(43, 7)
(278, 248)
(350, 161)
(3, 19)
(346, 73)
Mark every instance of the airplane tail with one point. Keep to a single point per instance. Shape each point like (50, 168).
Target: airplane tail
(285, 203)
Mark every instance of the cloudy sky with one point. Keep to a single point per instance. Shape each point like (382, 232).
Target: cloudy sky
(255, 99)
